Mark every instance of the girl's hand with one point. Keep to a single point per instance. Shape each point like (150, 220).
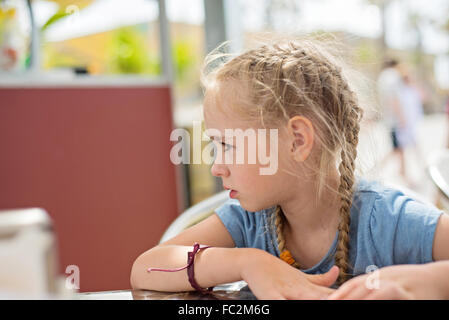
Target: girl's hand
(395, 282)
(270, 278)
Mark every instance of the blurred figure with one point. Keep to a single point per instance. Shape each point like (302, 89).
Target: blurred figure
(388, 86)
(402, 111)
(411, 100)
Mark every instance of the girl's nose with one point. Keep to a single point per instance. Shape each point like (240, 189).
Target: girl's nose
(219, 170)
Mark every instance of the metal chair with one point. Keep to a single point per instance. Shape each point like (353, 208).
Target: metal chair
(195, 214)
(438, 169)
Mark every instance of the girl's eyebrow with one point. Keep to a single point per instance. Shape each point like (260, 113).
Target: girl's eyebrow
(220, 139)
(212, 137)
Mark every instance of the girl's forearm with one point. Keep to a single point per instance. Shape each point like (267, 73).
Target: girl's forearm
(212, 266)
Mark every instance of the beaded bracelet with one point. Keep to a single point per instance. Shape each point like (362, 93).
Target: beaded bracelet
(190, 270)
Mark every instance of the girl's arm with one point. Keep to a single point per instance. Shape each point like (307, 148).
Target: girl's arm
(222, 262)
(408, 281)
(267, 276)
(426, 281)
(212, 266)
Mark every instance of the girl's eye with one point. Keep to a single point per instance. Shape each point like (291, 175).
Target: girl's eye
(226, 146)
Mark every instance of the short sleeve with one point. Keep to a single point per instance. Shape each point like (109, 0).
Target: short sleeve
(233, 217)
(403, 229)
(247, 229)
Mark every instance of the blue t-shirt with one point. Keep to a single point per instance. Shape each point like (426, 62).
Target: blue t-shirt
(387, 228)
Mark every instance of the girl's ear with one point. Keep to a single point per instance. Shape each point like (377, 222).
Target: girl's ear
(301, 134)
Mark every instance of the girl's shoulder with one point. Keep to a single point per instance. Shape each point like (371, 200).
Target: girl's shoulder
(391, 198)
(364, 185)
(399, 226)
(388, 202)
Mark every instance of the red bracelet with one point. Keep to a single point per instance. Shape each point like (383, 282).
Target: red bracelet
(190, 271)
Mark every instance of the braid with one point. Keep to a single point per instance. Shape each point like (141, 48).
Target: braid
(284, 253)
(346, 170)
(279, 224)
(349, 114)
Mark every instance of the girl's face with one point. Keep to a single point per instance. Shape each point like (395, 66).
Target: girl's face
(255, 191)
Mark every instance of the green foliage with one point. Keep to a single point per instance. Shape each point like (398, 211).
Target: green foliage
(128, 53)
(130, 50)
(56, 17)
(184, 59)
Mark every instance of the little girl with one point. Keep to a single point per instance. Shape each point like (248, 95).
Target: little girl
(292, 234)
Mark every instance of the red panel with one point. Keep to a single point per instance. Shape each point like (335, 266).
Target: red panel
(97, 159)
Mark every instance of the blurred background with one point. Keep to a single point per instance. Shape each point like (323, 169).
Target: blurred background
(91, 89)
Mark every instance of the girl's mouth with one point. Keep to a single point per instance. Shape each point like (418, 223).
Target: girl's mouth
(232, 193)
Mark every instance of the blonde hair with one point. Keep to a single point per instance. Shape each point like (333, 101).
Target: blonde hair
(300, 78)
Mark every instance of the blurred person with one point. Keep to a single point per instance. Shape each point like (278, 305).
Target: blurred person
(411, 99)
(392, 95)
